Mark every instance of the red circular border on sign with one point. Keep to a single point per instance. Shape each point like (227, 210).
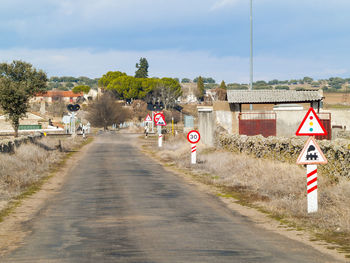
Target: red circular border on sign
(158, 114)
(188, 135)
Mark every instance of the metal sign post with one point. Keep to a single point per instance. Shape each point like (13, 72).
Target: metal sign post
(73, 108)
(160, 136)
(159, 120)
(152, 122)
(193, 137)
(172, 126)
(72, 124)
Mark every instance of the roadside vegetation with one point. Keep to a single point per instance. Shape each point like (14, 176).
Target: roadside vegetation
(23, 172)
(273, 187)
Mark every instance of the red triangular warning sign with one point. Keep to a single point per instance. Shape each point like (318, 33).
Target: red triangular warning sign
(161, 121)
(148, 118)
(311, 153)
(311, 125)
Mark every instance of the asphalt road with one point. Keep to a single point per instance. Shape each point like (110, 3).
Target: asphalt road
(120, 206)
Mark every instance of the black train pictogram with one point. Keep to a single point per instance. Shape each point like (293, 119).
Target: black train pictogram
(311, 154)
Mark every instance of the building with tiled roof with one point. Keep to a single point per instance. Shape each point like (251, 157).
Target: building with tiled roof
(238, 97)
(57, 95)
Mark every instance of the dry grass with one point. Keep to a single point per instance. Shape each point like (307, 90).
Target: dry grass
(274, 187)
(29, 164)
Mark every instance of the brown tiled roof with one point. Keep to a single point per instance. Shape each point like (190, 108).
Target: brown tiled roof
(60, 93)
(272, 96)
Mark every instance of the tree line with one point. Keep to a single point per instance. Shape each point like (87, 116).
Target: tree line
(153, 91)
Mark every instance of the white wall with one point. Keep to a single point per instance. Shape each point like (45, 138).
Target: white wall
(288, 122)
(224, 119)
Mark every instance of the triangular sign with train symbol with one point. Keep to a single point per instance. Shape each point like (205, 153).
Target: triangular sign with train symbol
(311, 153)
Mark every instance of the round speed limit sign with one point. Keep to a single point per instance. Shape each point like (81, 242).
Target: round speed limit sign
(193, 136)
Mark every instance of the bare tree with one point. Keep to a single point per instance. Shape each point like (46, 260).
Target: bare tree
(165, 94)
(105, 111)
(220, 94)
(139, 109)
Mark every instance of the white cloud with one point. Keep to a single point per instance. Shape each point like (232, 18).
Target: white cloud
(219, 4)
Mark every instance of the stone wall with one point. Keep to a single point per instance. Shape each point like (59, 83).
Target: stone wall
(9, 146)
(288, 149)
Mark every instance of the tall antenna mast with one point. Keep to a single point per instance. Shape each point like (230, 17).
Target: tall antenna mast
(251, 50)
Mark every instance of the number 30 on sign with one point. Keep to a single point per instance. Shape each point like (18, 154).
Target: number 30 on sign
(193, 136)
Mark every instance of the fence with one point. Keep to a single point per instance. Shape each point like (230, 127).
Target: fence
(254, 123)
(325, 119)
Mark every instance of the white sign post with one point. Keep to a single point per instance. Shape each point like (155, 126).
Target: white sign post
(312, 202)
(159, 120)
(66, 121)
(193, 137)
(193, 154)
(72, 124)
(311, 155)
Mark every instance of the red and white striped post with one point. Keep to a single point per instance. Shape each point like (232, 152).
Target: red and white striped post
(160, 136)
(193, 154)
(159, 120)
(312, 200)
(193, 137)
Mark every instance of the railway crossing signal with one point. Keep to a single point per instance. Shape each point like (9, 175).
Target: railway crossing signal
(311, 125)
(311, 155)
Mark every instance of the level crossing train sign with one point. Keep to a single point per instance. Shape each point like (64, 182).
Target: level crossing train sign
(311, 153)
(311, 125)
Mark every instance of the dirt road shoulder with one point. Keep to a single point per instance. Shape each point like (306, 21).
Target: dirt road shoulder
(12, 228)
(259, 218)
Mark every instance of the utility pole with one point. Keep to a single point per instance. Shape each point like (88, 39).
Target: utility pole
(251, 50)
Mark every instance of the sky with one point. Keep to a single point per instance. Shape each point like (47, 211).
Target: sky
(179, 38)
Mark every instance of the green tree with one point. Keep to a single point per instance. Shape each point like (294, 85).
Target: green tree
(209, 80)
(69, 85)
(61, 87)
(273, 82)
(19, 81)
(109, 77)
(205, 80)
(185, 80)
(142, 69)
(163, 91)
(282, 87)
(81, 88)
(200, 87)
(307, 79)
(237, 86)
(223, 85)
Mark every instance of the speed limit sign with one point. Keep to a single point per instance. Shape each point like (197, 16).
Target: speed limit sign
(193, 136)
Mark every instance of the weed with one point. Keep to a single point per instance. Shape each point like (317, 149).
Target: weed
(24, 172)
(275, 188)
